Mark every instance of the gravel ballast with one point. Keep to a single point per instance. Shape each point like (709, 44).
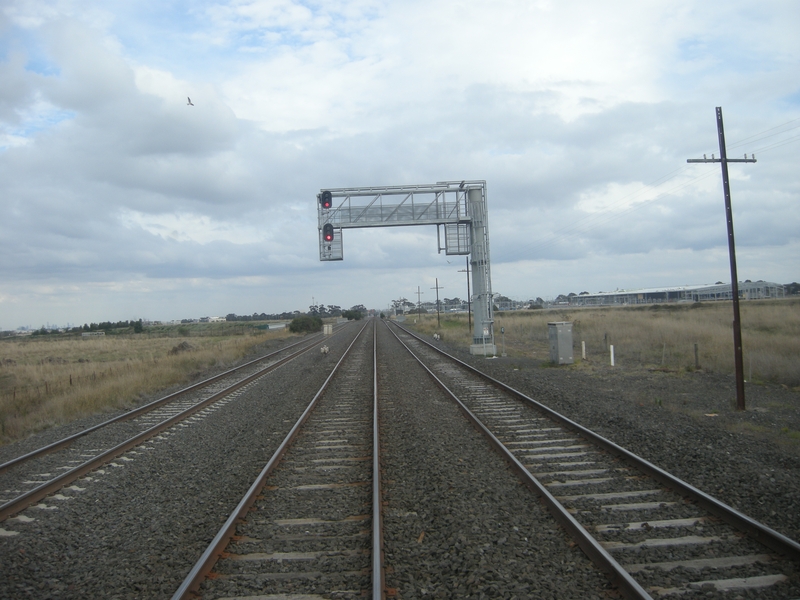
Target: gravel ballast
(684, 423)
(135, 528)
(457, 522)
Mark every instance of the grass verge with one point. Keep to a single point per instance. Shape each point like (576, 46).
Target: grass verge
(654, 336)
(54, 380)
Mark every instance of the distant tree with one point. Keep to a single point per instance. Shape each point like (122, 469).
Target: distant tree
(305, 324)
(317, 310)
(352, 315)
(535, 304)
(138, 327)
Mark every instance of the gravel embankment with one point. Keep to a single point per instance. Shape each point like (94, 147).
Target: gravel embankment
(457, 522)
(135, 529)
(741, 458)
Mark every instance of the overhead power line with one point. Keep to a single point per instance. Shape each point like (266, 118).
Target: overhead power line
(785, 142)
(749, 140)
(611, 212)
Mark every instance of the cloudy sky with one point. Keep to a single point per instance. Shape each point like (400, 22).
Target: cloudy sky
(120, 201)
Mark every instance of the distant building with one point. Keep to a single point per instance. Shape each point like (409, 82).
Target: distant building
(748, 290)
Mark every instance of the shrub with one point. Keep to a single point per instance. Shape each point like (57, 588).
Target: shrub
(305, 324)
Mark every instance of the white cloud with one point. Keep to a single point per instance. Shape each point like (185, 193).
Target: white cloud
(578, 114)
(192, 228)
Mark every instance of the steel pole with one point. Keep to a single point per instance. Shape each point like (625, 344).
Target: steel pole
(469, 300)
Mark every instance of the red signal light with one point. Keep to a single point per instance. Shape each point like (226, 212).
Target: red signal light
(326, 199)
(327, 232)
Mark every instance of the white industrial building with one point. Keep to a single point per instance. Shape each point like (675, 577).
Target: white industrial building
(748, 290)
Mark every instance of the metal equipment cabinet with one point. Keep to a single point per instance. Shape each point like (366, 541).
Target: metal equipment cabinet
(560, 337)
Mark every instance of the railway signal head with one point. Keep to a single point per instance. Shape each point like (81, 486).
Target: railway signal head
(326, 200)
(327, 232)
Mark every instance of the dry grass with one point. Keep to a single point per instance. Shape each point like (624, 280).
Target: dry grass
(660, 337)
(49, 381)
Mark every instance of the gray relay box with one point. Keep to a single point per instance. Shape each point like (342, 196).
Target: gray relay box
(560, 337)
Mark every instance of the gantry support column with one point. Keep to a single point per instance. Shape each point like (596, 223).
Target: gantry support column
(483, 333)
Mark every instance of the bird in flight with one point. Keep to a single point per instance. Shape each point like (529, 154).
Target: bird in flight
(189, 103)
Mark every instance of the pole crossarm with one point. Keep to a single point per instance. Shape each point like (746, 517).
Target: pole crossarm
(752, 159)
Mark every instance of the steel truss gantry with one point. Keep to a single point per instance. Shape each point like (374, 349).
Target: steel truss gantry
(457, 208)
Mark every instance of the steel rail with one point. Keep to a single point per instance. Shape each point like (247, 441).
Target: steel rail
(206, 562)
(757, 531)
(596, 553)
(19, 503)
(377, 524)
(139, 410)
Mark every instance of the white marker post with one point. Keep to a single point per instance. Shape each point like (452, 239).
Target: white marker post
(611, 349)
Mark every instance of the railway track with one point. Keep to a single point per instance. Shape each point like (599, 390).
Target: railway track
(27, 479)
(653, 534)
(310, 522)
(457, 522)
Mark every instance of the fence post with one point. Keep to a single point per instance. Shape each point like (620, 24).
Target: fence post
(611, 347)
(583, 350)
(696, 358)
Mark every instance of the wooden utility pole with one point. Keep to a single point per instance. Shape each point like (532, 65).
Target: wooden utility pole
(437, 288)
(737, 326)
